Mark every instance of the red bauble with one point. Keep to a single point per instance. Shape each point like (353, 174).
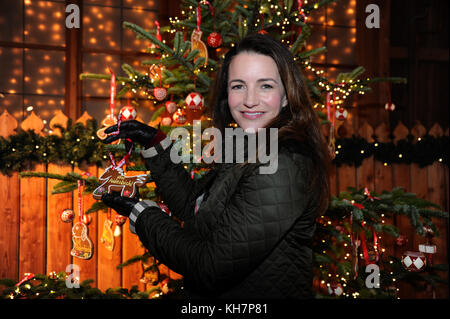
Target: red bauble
(214, 40)
(335, 289)
(171, 107)
(166, 121)
(341, 114)
(67, 215)
(401, 240)
(160, 93)
(120, 220)
(389, 106)
(86, 219)
(127, 113)
(414, 261)
(194, 101)
(179, 117)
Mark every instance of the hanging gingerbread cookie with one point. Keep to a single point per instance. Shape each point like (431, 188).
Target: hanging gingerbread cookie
(114, 180)
(82, 245)
(196, 39)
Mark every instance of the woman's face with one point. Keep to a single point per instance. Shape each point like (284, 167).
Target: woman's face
(255, 91)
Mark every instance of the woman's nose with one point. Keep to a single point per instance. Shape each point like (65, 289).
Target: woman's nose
(251, 98)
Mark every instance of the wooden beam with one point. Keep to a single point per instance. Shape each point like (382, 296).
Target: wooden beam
(372, 52)
(72, 106)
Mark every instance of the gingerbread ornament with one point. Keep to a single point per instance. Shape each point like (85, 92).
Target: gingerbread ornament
(114, 180)
(197, 43)
(107, 235)
(82, 245)
(196, 39)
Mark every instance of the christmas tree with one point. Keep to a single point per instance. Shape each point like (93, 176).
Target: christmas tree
(178, 77)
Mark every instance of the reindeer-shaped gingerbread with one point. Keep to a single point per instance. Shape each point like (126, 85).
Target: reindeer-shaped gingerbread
(113, 180)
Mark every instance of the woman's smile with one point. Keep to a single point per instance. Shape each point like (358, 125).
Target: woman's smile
(252, 115)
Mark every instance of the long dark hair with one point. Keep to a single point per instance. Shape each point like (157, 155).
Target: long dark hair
(296, 122)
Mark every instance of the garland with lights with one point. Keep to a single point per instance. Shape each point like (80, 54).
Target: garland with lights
(54, 286)
(425, 151)
(78, 145)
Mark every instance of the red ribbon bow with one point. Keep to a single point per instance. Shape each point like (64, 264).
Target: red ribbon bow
(367, 193)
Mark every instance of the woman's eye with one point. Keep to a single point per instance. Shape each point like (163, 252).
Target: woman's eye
(237, 87)
(267, 86)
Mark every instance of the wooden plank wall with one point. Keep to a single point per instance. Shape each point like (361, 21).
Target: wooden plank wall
(34, 239)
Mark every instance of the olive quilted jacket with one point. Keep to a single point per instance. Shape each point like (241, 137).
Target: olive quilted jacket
(248, 237)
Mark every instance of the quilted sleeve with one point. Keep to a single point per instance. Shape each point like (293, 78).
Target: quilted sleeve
(244, 232)
(174, 184)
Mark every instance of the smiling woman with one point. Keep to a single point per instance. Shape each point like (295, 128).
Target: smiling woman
(255, 90)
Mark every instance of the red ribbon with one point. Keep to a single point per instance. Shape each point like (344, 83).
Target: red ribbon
(328, 106)
(367, 193)
(331, 114)
(199, 14)
(113, 94)
(127, 156)
(363, 241)
(355, 204)
(334, 108)
(122, 161)
(158, 34)
(80, 200)
(28, 276)
(364, 248)
(301, 13)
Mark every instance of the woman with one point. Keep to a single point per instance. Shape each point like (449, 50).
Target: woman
(245, 234)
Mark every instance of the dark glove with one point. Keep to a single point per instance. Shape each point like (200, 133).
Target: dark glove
(122, 205)
(136, 131)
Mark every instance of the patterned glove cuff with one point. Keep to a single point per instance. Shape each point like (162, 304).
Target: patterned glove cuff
(137, 210)
(152, 151)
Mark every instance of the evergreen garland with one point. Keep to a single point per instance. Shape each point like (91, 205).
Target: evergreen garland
(429, 149)
(78, 145)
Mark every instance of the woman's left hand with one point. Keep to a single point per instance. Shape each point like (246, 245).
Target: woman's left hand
(122, 205)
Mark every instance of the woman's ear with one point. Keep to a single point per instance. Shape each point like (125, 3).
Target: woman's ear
(284, 101)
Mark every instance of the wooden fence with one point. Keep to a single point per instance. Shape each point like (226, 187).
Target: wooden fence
(34, 239)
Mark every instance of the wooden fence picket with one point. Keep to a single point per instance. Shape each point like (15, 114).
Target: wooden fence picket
(8, 124)
(345, 174)
(365, 172)
(59, 240)
(33, 213)
(9, 213)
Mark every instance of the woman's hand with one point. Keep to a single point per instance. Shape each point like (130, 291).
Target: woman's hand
(134, 130)
(122, 205)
